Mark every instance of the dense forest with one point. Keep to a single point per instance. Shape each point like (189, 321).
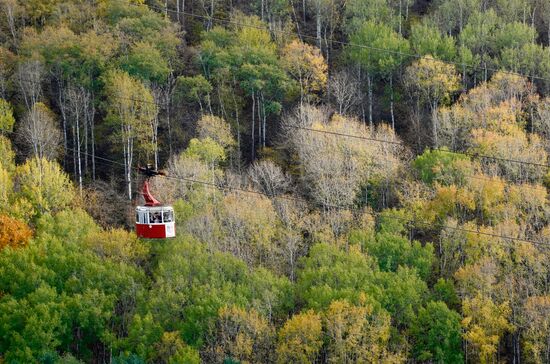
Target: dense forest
(354, 181)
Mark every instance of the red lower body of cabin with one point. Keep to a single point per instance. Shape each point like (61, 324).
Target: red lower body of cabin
(153, 231)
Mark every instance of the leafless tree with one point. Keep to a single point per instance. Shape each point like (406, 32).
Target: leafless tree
(38, 132)
(269, 178)
(78, 105)
(345, 90)
(336, 168)
(29, 76)
(184, 168)
(541, 124)
(10, 8)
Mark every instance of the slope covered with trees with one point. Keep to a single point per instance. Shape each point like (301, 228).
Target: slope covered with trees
(360, 181)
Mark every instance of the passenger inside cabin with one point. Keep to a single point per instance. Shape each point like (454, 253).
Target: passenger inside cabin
(156, 217)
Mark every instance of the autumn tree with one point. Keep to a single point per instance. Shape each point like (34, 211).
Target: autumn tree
(6, 117)
(300, 339)
(430, 82)
(358, 334)
(485, 323)
(306, 64)
(257, 72)
(38, 132)
(41, 186)
(536, 346)
(269, 178)
(30, 75)
(7, 167)
(13, 233)
(335, 169)
(241, 336)
(345, 89)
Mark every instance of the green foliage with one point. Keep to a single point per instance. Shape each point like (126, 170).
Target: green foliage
(146, 63)
(248, 56)
(479, 34)
(382, 56)
(192, 88)
(393, 221)
(514, 35)
(206, 150)
(391, 247)
(138, 23)
(443, 167)
(392, 251)
(427, 40)
(329, 273)
(444, 291)
(436, 333)
(77, 58)
(193, 284)
(401, 294)
(360, 11)
(52, 290)
(66, 224)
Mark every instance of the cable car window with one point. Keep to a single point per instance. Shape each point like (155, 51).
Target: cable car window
(137, 217)
(168, 216)
(155, 217)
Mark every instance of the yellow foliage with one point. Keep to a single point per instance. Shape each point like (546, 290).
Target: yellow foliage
(252, 33)
(117, 244)
(300, 339)
(210, 126)
(307, 65)
(530, 199)
(356, 335)
(433, 79)
(485, 322)
(537, 331)
(6, 189)
(489, 197)
(243, 335)
(448, 201)
(7, 155)
(43, 187)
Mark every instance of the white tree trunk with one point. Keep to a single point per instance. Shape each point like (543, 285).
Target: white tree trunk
(252, 128)
(369, 87)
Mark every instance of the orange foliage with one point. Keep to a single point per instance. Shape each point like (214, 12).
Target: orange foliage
(13, 232)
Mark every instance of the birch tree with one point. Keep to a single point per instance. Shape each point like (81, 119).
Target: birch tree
(38, 132)
(431, 82)
(345, 90)
(306, 64)
(379, 51)
(131, 110)
(79, 102)
(29, 76)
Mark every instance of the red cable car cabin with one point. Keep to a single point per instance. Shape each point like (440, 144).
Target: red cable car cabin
(153, 220)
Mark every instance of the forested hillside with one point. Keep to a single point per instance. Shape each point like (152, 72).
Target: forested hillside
(354, 181)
